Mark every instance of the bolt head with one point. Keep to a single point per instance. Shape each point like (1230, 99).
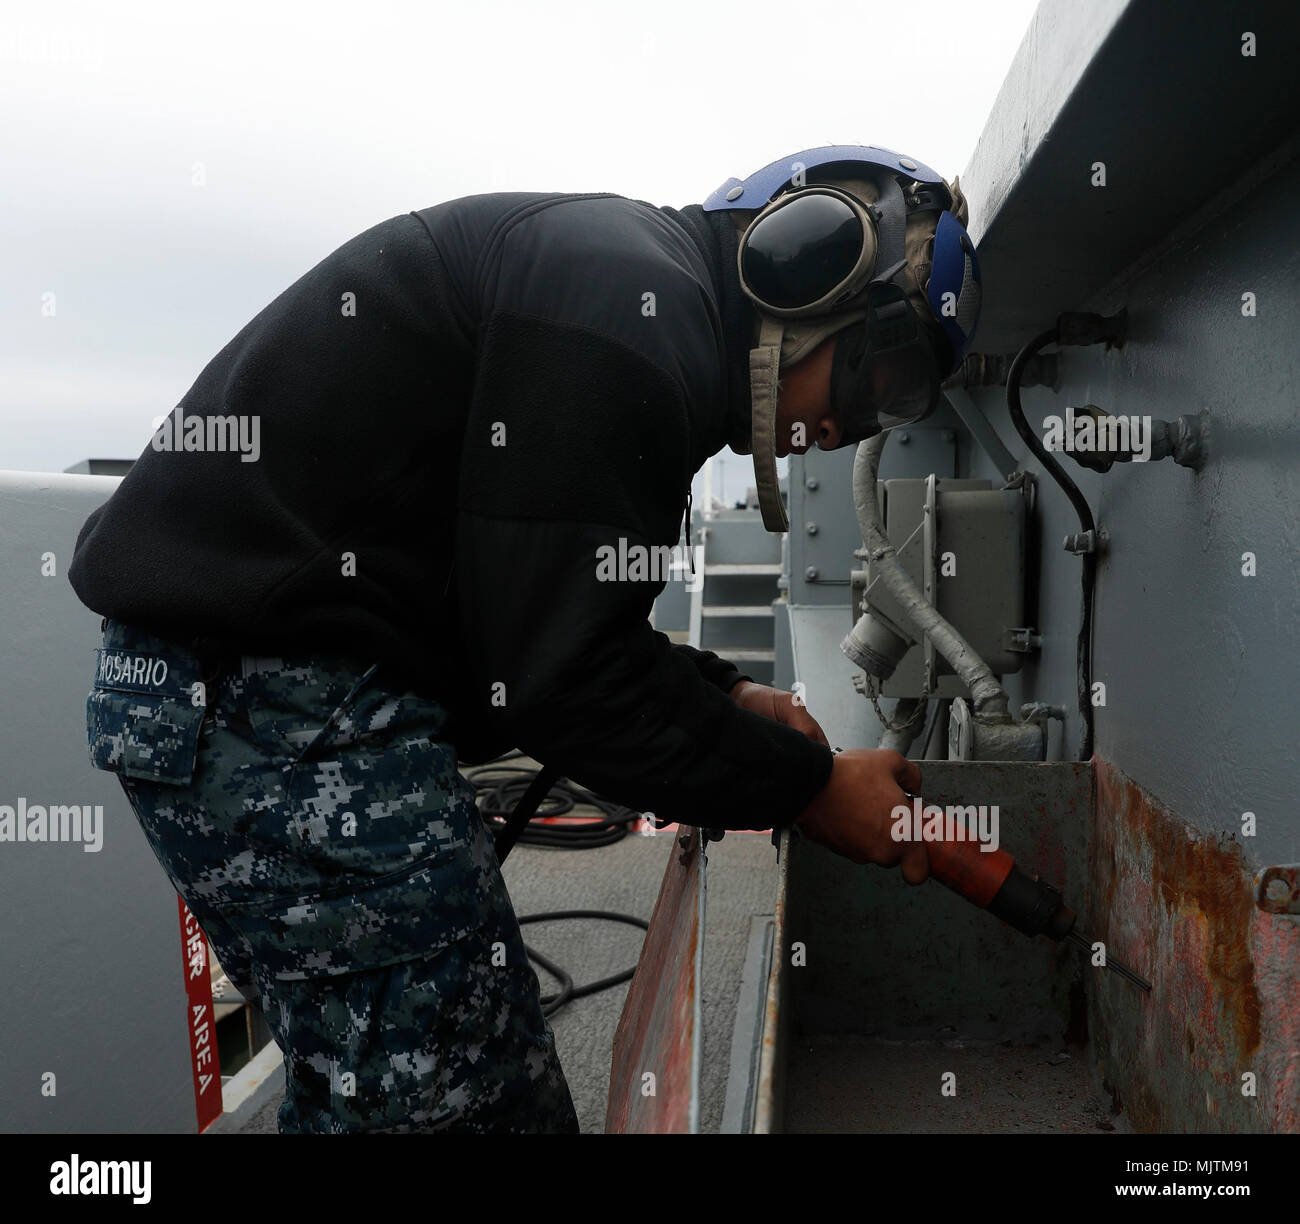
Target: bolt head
(907, 163)
(1278, 892)
(736, 192)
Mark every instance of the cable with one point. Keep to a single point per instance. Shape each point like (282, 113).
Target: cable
(1083, 660)
(501, 789)
(568, 991)
(506, 794)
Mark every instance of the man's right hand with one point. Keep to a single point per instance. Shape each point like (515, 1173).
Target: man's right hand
(852, 813)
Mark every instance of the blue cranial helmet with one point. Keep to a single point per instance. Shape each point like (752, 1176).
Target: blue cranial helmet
(863, 242)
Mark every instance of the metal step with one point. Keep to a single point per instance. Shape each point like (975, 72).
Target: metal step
(732, 569)
(737, 609)
(745, 654)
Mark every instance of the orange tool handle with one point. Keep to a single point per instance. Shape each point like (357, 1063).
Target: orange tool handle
(966, 869)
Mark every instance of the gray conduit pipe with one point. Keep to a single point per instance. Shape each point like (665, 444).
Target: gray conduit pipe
(987, 695)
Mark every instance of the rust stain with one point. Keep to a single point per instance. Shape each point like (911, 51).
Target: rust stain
(1180, 905)
(1201, 882)
(1277, 961)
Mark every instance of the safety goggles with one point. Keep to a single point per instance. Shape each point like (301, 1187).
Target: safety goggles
(808, 253)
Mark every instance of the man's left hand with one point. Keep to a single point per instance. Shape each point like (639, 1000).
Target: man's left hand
(779, 706)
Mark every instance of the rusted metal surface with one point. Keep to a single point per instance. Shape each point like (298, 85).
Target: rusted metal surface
(1216, 1046)
(654, 1079)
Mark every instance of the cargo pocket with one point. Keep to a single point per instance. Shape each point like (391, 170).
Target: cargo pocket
(150, 737)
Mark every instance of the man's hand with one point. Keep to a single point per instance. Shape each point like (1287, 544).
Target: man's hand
(852, 813)
(779, 706)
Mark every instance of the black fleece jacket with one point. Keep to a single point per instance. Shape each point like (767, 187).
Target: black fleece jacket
(457, 412)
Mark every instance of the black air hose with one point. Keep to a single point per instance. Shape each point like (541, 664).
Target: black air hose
(1083, 663)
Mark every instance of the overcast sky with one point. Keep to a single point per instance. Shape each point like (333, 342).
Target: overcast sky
(166, 169)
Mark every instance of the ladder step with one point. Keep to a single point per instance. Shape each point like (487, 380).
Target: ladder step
(731, 569)
(737, 610)
(744, 654)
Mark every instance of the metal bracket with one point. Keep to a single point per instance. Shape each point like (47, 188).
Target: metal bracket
(684, 840)
(979, 427)
(1277, 889)
(1023, 641)
(1088, 541)
(1028, 487)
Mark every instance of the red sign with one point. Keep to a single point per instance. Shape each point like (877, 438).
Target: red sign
(200, 1020)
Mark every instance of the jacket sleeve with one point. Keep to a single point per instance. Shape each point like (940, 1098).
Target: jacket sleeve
(574, 471)
(713, 667)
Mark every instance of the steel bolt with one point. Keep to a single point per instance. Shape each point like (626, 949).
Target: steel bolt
(811, 528)
(1277, 889)
(811, 484)
(904, 437)
(810, 574)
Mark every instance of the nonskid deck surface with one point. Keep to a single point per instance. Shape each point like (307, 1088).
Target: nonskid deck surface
(861, 1085)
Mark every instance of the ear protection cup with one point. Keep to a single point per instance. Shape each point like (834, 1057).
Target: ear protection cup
(955, 290)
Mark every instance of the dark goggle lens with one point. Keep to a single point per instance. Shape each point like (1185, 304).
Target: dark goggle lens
(798, 254)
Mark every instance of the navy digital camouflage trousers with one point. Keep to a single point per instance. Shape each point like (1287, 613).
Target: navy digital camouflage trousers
(333, 855)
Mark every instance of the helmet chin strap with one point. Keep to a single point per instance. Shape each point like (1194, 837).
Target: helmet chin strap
(764, 370)
(780, 342)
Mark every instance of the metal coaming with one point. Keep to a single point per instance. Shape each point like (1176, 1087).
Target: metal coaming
(1178, 904)
(746, 1046)
(697, 993)
(660, 1029)
(908, 973)
(769, 1097)
(891, 960)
